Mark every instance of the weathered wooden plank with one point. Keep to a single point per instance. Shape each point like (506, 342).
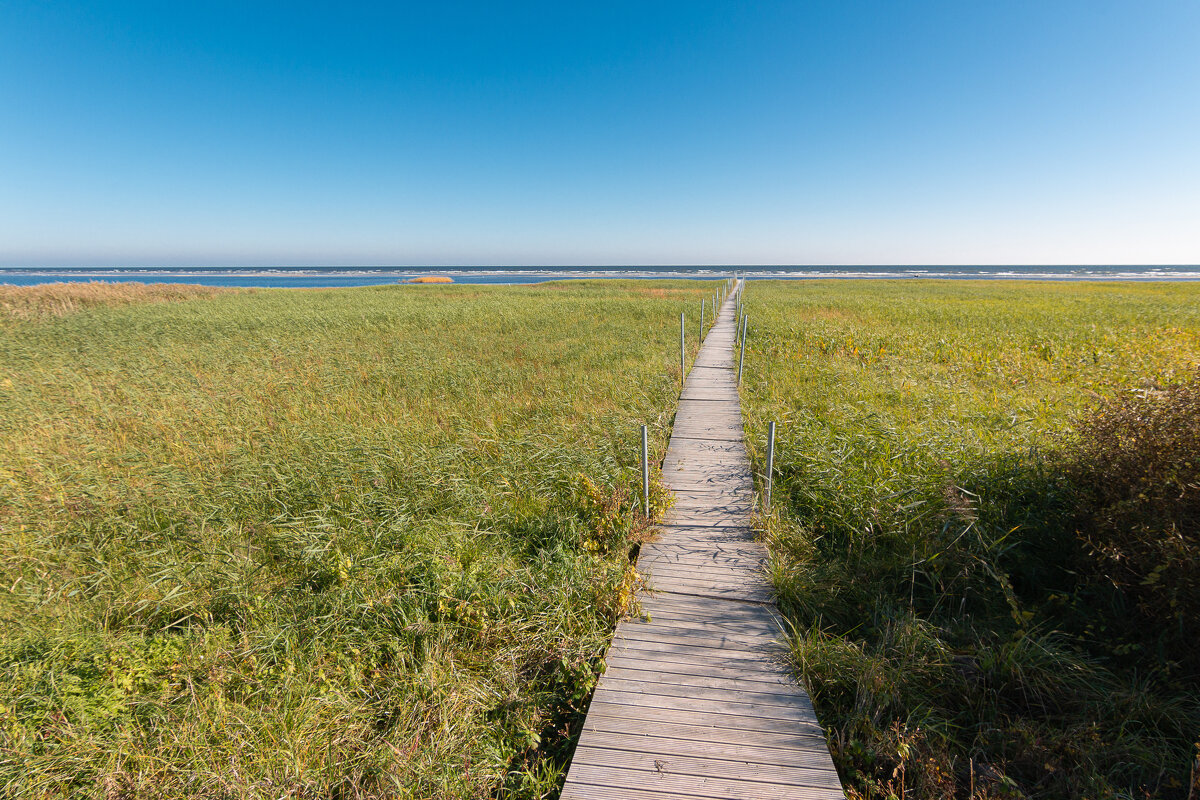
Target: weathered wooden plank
(692, 785)
(741, 618)
(725, 537)
(709, 437)
(742, 625)
(678, 644)
(708, 534)
(714, 545)
(722, 422)
(619, 706)
(745, 731)
(689, 579)
(742, 570)
(733, 634)
(691, 519)
(693, 428)
(731, 708)
(716, 552)
(752, 591)
(659, 672)
(747, 595)
(723, 473)
(682, 617)
(700, 766)
(746, 587)
(703, 543)
(715, 549)
(723, 491)
(709, 410)
(690, 482)
(697, 617)
(685, 652)
(693, 481)
(686, 741)
(717, 421)
(734, 504)
(742, 566)
(723, 572)
(577, 791)
(682, 641)
(744, 592)
(718, 611)
(716, 516)
(697, 479)
(739, 527)
(711, 636)
(727, 498)
(785, 698)
(653, 672)
(696, 746)
(697, 449)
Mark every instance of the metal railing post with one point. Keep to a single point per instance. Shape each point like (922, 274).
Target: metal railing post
(645, 473)
(742, 352)
(770, 463)
(682, 351)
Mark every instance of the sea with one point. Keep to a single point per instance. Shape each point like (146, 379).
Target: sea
(326, 277)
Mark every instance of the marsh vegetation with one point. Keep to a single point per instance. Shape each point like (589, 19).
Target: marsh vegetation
(984, 529)
(352, 543)
(372, 542)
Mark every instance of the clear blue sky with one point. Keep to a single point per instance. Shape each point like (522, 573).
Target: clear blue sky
(836, 132)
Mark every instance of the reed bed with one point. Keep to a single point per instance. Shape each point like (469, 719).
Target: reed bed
(933, 544)
(350, 543)
(60, 299)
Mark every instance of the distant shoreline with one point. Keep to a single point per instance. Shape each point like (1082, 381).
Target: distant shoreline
(334, 277)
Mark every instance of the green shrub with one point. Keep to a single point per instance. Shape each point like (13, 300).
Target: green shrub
(1136, 467)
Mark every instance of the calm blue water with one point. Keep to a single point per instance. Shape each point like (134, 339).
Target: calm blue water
(313, 277)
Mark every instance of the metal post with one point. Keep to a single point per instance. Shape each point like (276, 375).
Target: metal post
(682, 351)
(742, 352)
(645, 473)
(770, 463)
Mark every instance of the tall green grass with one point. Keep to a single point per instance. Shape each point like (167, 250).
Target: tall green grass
(353, 543)
(947, 616)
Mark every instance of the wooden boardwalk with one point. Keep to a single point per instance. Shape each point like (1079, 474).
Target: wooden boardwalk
(696, 701)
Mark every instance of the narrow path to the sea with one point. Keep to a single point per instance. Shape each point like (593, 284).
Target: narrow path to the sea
(697, 701)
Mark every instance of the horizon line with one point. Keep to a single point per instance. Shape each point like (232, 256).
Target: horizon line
(597, 266)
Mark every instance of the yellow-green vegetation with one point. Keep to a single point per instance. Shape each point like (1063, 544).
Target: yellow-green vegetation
(351, 543)
(950, 531)
(59, 299)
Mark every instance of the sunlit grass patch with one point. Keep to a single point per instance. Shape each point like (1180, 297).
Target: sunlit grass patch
(346, 543)
(58, 299)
